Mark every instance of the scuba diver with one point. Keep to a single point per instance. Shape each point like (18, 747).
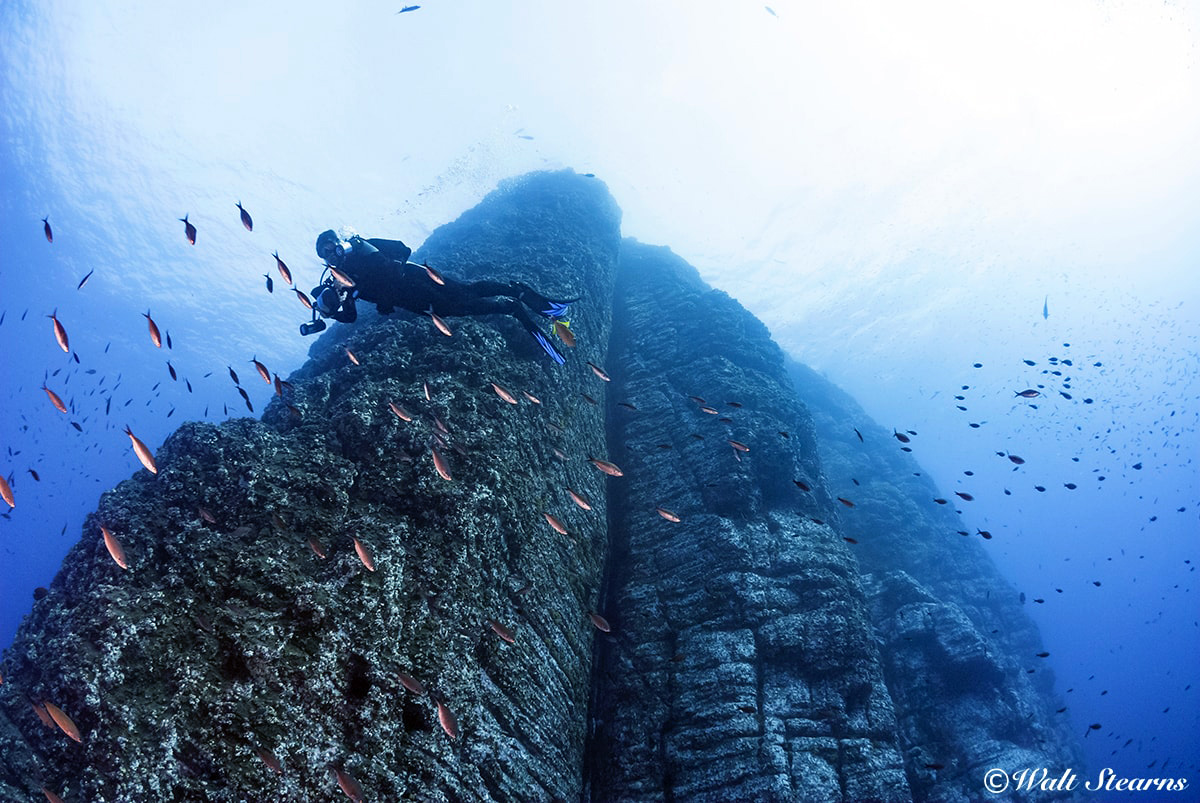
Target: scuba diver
(382, 274)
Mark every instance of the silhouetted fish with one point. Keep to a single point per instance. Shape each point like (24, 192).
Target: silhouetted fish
(83, 281)
(189, 231)
(46, 229)
(246, 221)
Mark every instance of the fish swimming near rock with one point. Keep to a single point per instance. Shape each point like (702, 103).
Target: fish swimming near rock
(600, 374)
(262, 369)
(447, 720)
(64, 722)
(608, 468)
(353, 359)
(502, 631)
(143, 454)
(438, 322)
(433, 274)
(364, 554)
(115, 550)
(563, 330)
(555, 524)
(350, 786)
(246, 221)
(503, 393)
(410, 683)
(600, 622)
(189, 231)
(667, 514)
(400, 412)
(439, 463)
(579, 499)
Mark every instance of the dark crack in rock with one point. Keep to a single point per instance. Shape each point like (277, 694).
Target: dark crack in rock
(229, 638)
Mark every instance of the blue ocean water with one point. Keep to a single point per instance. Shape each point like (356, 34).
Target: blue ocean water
(892, 238)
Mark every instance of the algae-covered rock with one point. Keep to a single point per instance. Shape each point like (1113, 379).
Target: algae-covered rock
(229, 643)
(742, 664)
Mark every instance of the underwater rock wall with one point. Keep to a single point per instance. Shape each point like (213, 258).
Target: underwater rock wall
(742, 664)
(959, 654)
(249, 652)
(229, 645)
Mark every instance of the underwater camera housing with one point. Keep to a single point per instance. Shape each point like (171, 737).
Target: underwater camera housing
(312, 327)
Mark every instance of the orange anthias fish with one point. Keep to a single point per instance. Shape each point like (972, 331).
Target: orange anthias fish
(400, 412)
(364, 554)
(350, 786)
(555, 524)
(6, 493)
(502, 631)
(303, 298)
(155, 335)
(283, 269)
(439, 463)
(316, 546)
(531, 397)
(433, 274)
(600, 374)
(60, 334)
(46, 229)
(563, 330)
(504, 394)
(438, 322)
(410, 683)
(340, 277)
(55, 399)
(741, 447)
(246, 221)
(579, 500)
(608, 468)
(142, 452)
(600, 622)
(262, 369)
(447, 720)
(353, 359)
(51, 797)
(668, 515)
(62, 721)
(189, 230)
(114, 547)
(270, 760)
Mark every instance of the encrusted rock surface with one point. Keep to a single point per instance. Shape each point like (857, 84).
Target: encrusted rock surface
(742, 664)
(225, 638)
(755, 653)
(959, 654)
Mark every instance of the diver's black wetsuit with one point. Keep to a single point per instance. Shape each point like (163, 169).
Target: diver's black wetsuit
(386, 278)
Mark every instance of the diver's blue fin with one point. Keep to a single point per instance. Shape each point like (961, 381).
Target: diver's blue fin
(547, 345)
